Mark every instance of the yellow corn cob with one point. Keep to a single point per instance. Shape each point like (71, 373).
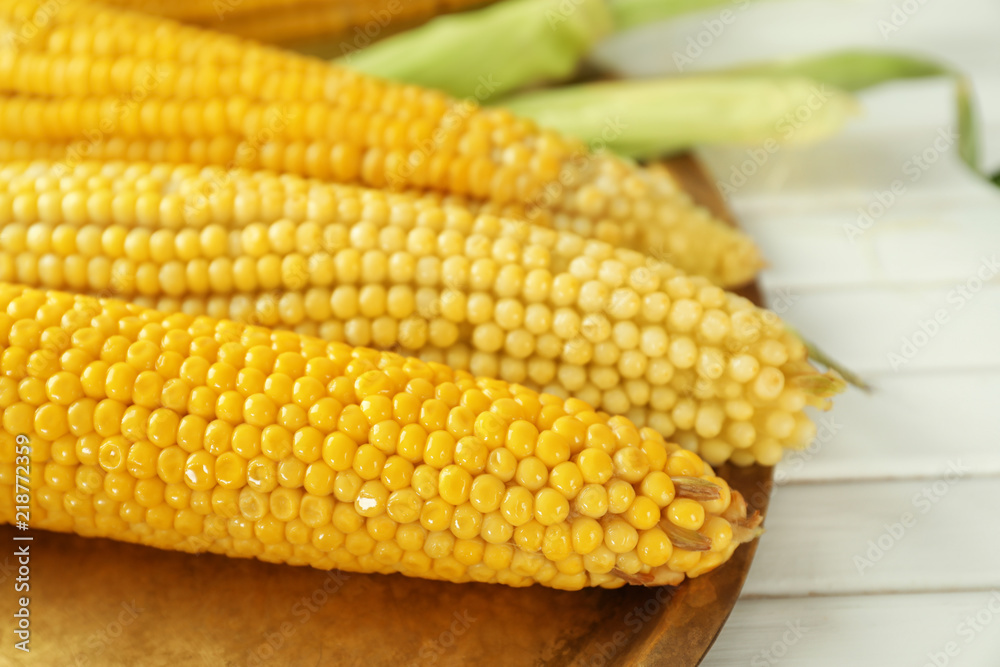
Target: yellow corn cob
(199, 10)
(331, 21)
(294, 20)
(320, 120)
(81, 28)
(199, 435)
(354, 24)
(696, 242)
(692, 240)
(500, 298)
(278, 197)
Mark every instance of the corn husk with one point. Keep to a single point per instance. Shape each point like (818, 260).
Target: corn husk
(489, 52)
(656, 117)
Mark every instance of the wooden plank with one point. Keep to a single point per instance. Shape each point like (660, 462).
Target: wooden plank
(909, 426)
(919, 241)
(862, 327)
(913, 630)
(940, 246)
(877, 537)
(811, 252)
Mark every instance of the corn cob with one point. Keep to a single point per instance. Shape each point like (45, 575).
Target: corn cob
(332, 21)
(279, 21)
(320, 120)
(79, 28)
(195, 11)
(281, 197)
(500, 298)
(692, 240)
(351, 24)
(202, 435)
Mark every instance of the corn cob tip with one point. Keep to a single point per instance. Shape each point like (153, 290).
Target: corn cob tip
(744, 529)
(821, 385)
(749, 529)
(840, 375)
(741, 264)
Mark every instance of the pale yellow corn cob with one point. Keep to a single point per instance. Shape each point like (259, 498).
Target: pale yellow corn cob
(545, 307)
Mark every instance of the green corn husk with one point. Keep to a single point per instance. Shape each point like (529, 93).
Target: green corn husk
(656, 117)
(968, 129)
(512, 44)
(633, 13)
(489, 52)
(482, 54)
(848, 70)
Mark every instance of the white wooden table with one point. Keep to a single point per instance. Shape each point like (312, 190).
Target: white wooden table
(883, 541)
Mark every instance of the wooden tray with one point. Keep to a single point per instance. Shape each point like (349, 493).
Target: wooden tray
(96, 602)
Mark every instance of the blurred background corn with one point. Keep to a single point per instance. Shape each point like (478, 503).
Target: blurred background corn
(291, 114)
(547, 308)
(188, 433)
(83, 28)
(294, 21)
